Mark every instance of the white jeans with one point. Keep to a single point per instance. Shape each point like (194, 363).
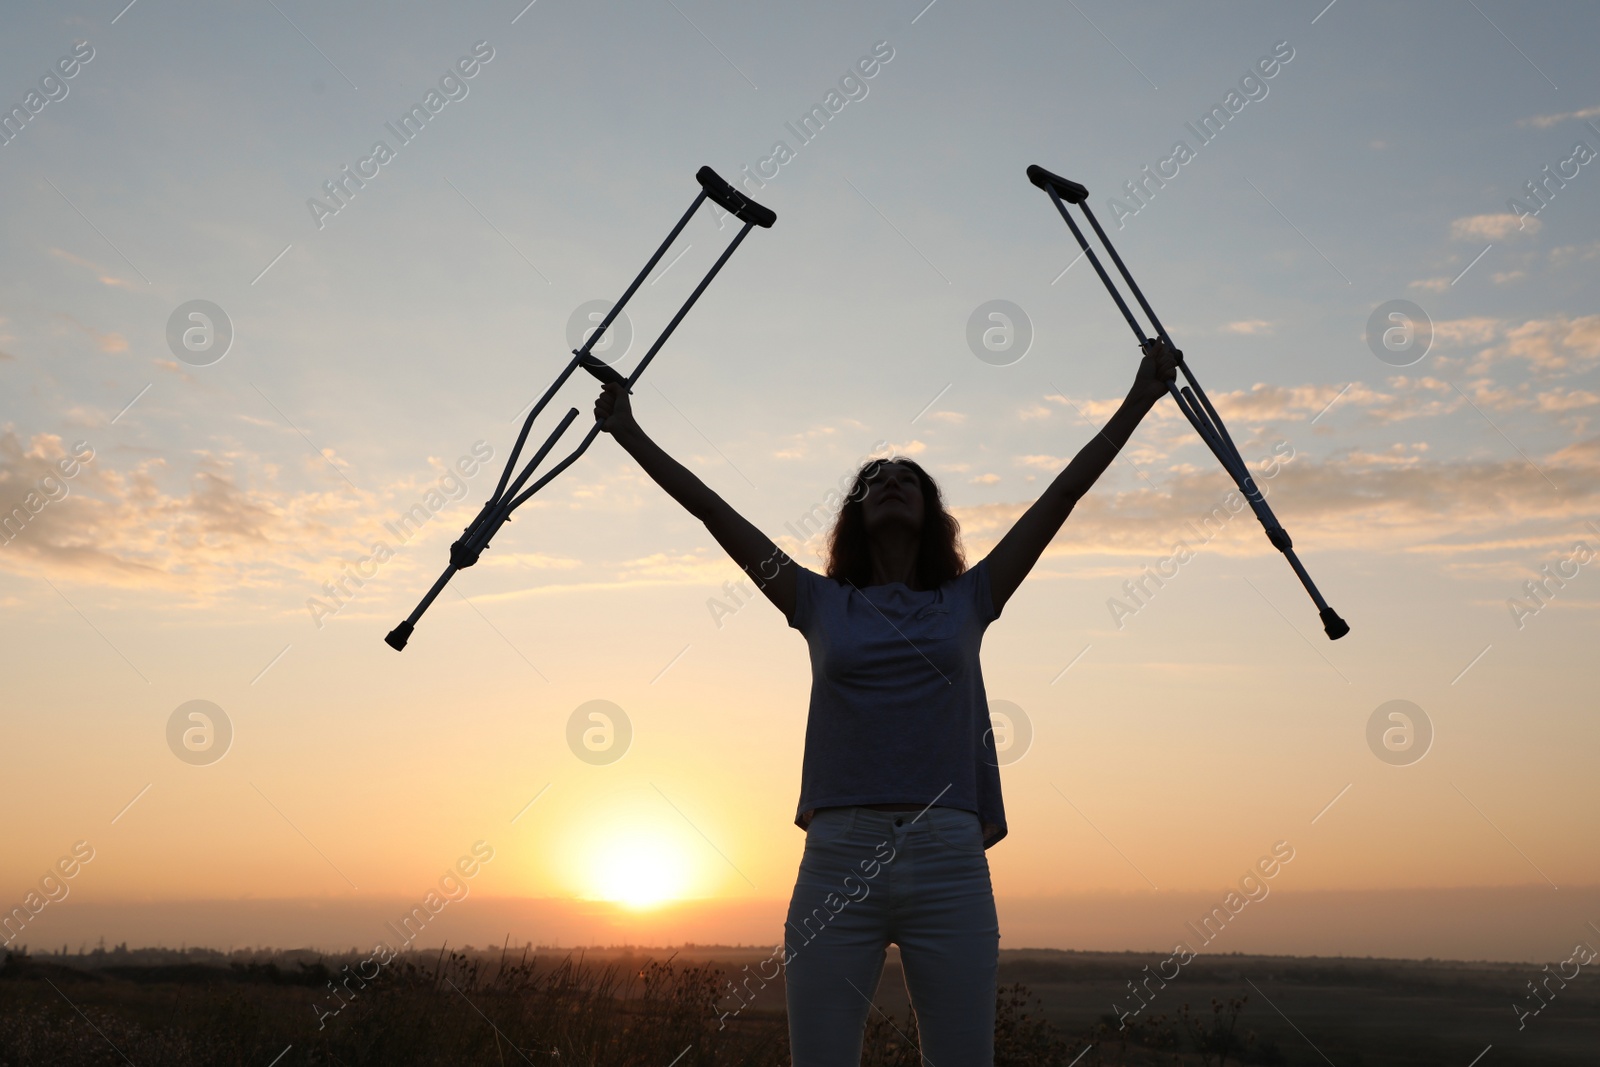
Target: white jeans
(921, 881)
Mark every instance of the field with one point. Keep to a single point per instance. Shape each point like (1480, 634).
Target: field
(660, 1007)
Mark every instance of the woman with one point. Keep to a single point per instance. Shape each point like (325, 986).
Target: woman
(900, 786)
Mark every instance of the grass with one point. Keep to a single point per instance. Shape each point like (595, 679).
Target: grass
(462, 1008)
(604, 1007)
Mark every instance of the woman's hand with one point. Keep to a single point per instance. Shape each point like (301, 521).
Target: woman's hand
(1159, 366)
(613, 407)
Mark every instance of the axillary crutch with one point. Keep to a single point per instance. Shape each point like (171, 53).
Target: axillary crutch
(507, 497)
(1191, 399)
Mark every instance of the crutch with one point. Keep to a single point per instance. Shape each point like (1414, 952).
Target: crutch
(507, 497)
(1191, 399)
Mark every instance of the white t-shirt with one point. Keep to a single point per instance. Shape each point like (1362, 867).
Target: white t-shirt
(898, 711)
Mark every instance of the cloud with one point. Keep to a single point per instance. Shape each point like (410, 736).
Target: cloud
(1492, 227)
(800, 448)
(1396, 500)
(1566, 255)
(1093, 411)
(104, 276)
(984, 479)
(1504, 276)
(1479, 330)
(1249, 326)
(1567, 400)
(1547, 345)
(105, 340)
(209, 528)
(1546, 121)
(1262, 402)
(538, 561)
(1432, 285)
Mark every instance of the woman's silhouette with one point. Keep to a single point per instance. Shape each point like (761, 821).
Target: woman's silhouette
(900, 785)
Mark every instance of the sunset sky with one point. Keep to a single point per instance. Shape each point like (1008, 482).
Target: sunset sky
(1387, 158)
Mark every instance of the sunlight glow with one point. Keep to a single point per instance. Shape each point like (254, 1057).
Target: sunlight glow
(638, 871)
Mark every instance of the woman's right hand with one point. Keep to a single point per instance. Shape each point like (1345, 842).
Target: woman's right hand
(613, 408)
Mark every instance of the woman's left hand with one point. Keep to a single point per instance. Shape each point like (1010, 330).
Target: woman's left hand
(1159, 367)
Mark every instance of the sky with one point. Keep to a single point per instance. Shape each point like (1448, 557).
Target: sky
(186, 508)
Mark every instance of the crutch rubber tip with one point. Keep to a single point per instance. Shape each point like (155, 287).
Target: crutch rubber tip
(398, 636)
(1335, 626)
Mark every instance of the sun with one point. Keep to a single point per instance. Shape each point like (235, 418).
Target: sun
(638, 871)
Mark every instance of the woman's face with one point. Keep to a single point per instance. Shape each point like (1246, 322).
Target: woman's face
(893, 498)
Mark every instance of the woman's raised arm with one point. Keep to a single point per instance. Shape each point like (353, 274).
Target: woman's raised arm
(767, 565)
(1012, 559)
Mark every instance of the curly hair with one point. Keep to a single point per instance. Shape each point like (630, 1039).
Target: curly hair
(939, 554)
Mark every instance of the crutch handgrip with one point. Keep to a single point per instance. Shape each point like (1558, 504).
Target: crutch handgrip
(600, 369)
(1068, 190)
(745, 209)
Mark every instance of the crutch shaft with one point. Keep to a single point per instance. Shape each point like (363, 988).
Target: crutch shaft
(509, 492)
(582, 352)
(1133, 323)
(1191, 398)
(397, 638)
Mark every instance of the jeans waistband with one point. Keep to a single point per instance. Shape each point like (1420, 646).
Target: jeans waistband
(862, 818)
